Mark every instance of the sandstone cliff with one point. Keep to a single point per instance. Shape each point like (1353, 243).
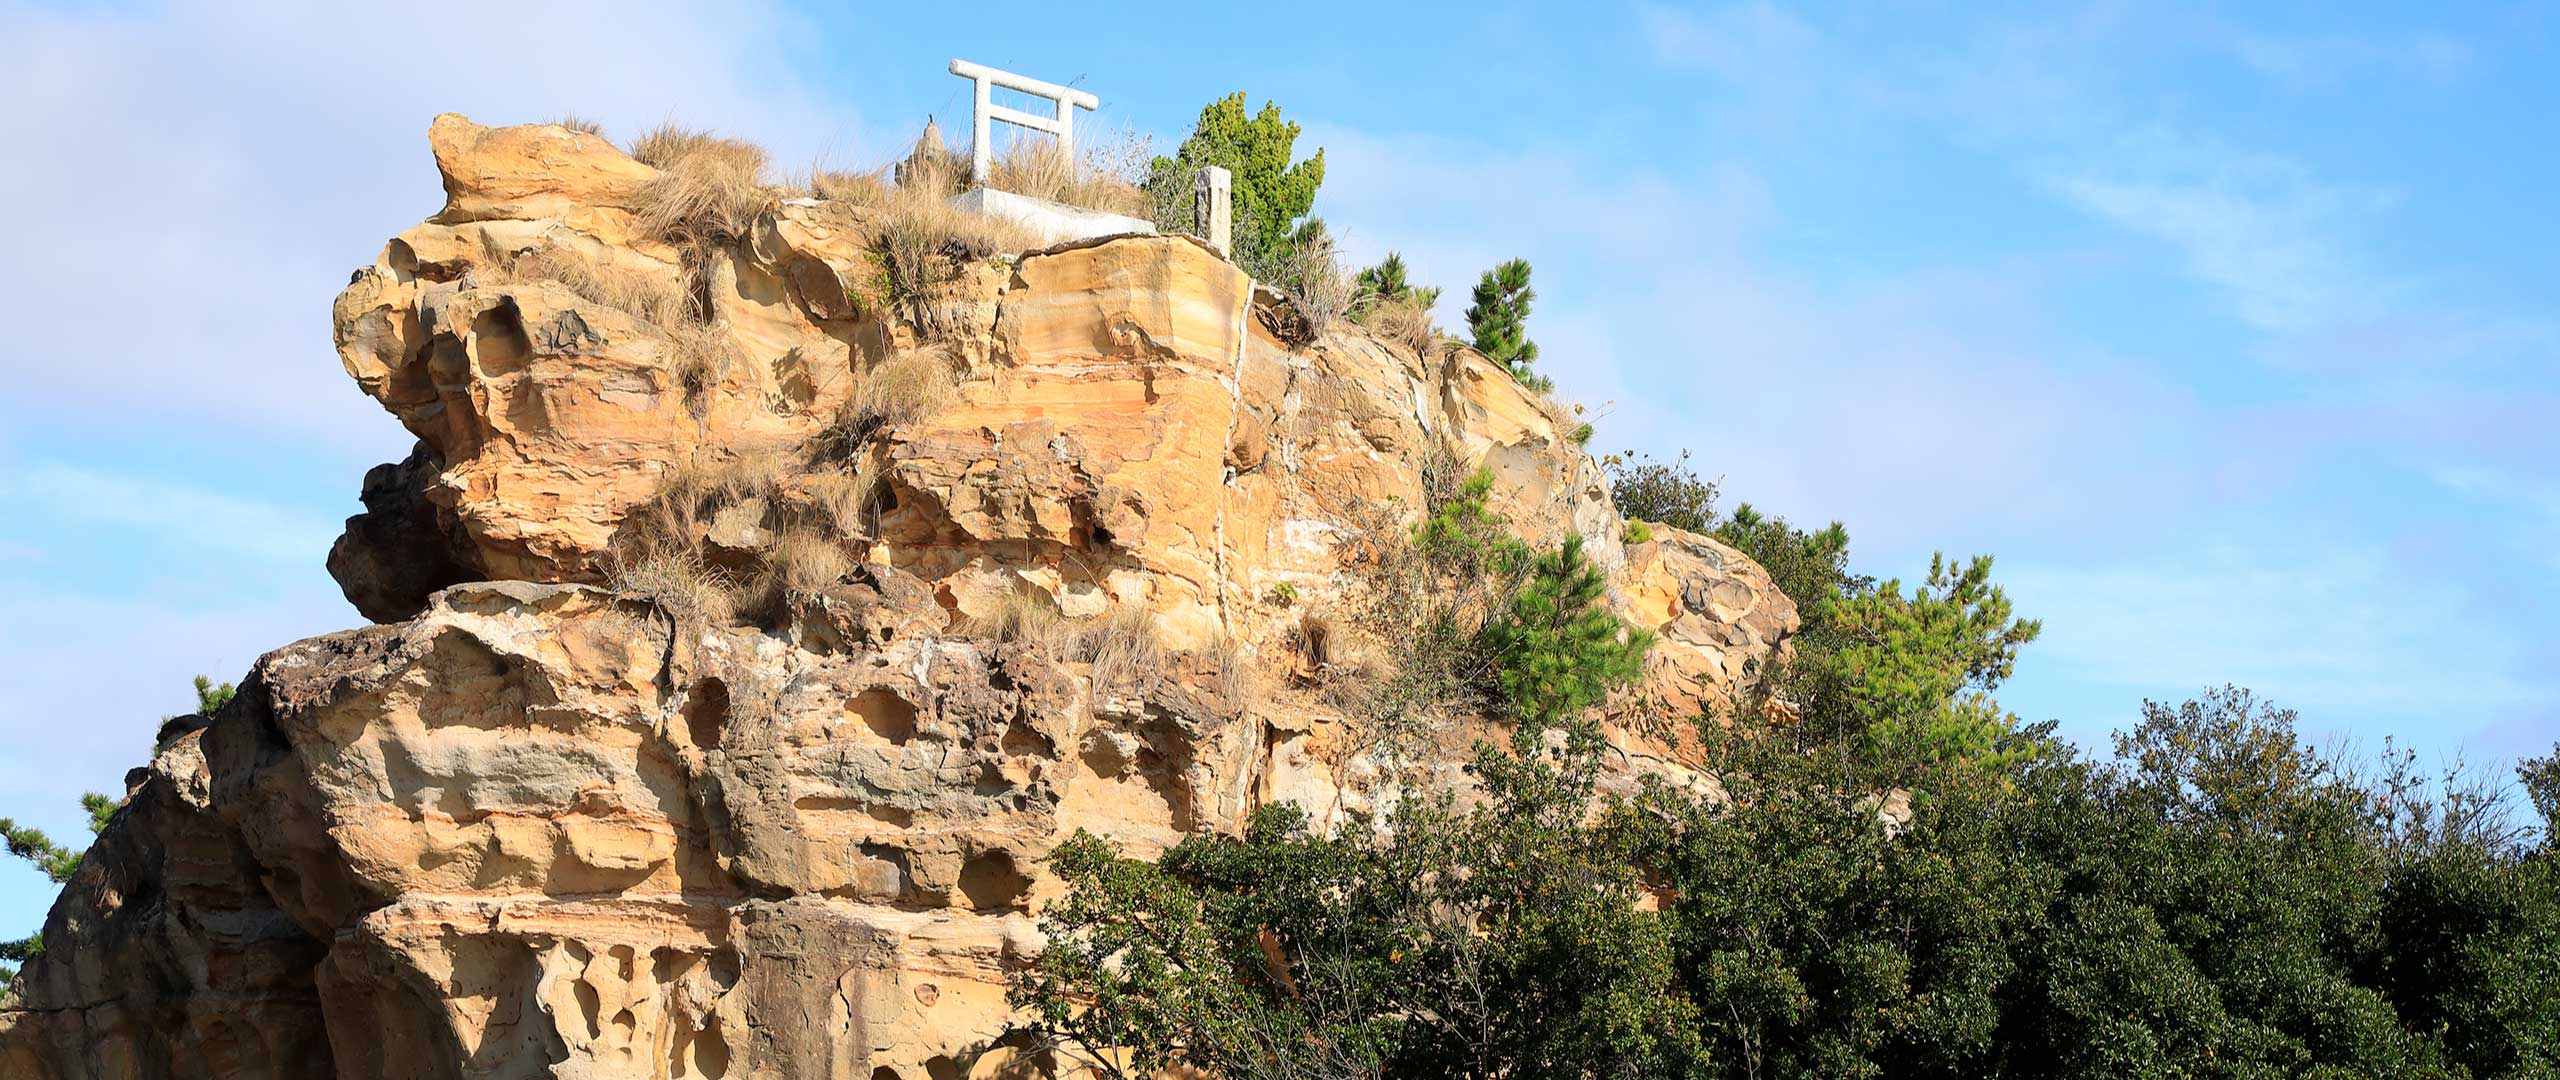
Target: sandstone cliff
(553, 816)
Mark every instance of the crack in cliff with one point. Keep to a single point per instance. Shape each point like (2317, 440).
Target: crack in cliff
(1242, 330)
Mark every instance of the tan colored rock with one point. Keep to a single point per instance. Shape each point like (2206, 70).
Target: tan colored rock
(533, 171)
(1717, 614)
(531, 827)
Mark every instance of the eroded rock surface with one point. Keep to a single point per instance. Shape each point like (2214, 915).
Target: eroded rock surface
(529, 826)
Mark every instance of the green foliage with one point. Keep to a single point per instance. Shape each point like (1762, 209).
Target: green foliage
(212, 696)
(18, 952)
(29, 843)
(1498, 319)
(1668, 492)
(1284, 594)
(1897, 879)
(1556, 649)
(1431, 589)
(1637, 532)
(1386, 283)
(101, 810)
(2540, 778)
(2218, 900)
(1501, 940)
(1271, 191)
(1812, 568)
(1916, 672)
(57, 862)
(1473, 621)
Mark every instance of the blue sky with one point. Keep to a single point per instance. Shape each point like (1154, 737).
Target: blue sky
(2230, 334)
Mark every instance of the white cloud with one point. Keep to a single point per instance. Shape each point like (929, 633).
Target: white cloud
(187, 187)
(1928, 407)
(2263, 232)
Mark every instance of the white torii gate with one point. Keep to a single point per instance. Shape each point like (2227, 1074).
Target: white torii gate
(1063, 125)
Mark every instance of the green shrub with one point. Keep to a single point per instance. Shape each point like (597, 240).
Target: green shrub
(1472, 620)
(1637, 532)
(1556, 648)
(1669, 492)
(1503, 940)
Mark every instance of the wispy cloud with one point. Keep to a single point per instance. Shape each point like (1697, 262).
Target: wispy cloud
(2342, 627)
(2311, 61)
(65, 495)
(2261, 231)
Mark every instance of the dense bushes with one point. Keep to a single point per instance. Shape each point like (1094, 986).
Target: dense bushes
(2216, 899)
(1896, 878)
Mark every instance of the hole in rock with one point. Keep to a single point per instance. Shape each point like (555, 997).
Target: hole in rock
(990, 883)
(498, 340)
(887, 715)
(710, 1055)
(706, 712)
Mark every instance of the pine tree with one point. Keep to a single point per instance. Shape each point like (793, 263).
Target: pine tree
(1499, 316)
(1270, 192)
(57, 862)
(1559, 650)
(212, 696)
(1385, 281)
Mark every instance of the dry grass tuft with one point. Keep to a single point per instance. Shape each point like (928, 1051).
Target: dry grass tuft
(906, 388)
(1405, 322)
(1236, 688)
(925, 240)
(675, 520)
(1325, 293)
(575, 122)
(1022, 616)
(842, 498)
(708, 189)
(701, 355)
(665, 541)
(654, 299)
(1038, 168)
(1034, 167)
(1121, 643)
(679, 584)
(865, 189)
(804, 558)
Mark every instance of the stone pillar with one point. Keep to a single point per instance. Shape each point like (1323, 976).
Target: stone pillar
(1213, 210)
(981, 127)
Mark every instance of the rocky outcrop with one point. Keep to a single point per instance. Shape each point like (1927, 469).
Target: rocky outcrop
(532, 826)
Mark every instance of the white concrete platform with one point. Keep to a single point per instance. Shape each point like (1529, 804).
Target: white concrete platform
(1058, 222)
